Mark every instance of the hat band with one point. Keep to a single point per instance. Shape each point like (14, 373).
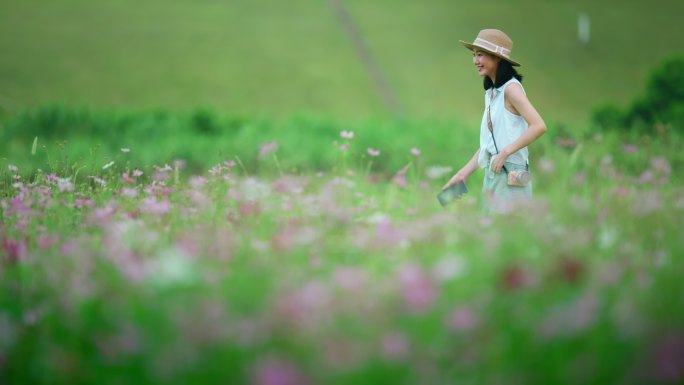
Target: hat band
(492, 47)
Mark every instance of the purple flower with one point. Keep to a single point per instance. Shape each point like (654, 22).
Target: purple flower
(83, 203)
(97, 180)
(152, 206)
(373, 152)
(129, 192)
(399, 178)
(546, 165)
(277, 371)
(13, 168)
(629, 148)
(395, 346)
(418, 290)
(13, 249)
(197, 182)
(267, 148)
(64, 184)
(461, 319)
(127, 179)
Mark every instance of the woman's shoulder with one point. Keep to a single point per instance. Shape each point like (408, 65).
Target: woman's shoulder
(513, 83)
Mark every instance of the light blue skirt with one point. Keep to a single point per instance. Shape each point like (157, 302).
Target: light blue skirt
(499, 197)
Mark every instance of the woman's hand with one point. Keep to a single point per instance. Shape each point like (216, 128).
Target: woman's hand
(498, 161)
(460, 176)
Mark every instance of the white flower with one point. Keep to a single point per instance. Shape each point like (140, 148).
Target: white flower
(347, 134)
(108, 165)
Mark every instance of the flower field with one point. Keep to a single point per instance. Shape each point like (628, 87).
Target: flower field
(156, 276)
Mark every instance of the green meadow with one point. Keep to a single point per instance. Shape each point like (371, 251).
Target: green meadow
(216, 192)
(274, 58)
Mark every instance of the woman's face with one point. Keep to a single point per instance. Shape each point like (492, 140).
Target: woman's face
(485, 63)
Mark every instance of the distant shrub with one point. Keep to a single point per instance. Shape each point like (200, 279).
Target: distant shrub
(661, 103)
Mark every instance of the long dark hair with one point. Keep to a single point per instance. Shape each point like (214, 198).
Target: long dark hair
(504, 73)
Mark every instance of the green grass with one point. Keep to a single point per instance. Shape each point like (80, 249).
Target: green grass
(277, 58)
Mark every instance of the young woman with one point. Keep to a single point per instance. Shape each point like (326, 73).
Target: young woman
(509, 124)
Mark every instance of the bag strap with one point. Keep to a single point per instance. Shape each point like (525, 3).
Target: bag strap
(490, 125)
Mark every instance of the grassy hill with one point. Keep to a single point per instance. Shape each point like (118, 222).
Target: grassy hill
(261, 57)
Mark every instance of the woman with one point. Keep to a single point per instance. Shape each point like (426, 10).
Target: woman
(509, 124)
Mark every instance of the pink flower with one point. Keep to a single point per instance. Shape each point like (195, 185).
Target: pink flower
(152, 206)
(349, 278)
(629, 148)
(546, 165)
(277, 371)
(46, 241)
(129, 192)
(415, 151)
(127, 179)
(395, 346)
(13, 168)
(347, 134)
(216, 170)
(344, 147)
(14, 250)
(97, 180)
(461, 319)
(418, 290)
(179, 164)
(661, 165)
(399, 178)
(83, 203)
(197, 182)
(64, 184)
(267, 148)
(373, 152)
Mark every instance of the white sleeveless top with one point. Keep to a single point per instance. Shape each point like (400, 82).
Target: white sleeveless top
(507, 128)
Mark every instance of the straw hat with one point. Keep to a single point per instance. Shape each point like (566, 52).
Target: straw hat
(493, 41)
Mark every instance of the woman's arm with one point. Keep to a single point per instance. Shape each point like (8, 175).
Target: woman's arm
(464, 172)
(536, 126)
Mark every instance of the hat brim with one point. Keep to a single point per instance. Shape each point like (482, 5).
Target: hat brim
(473, 47)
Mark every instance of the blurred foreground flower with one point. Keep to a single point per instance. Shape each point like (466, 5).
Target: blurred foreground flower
(373, 152)
(267, 148)
(108, 165)
(347, 134)
(277, 371)
(399, 178)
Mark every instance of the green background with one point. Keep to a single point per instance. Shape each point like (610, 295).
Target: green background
(278, 58)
